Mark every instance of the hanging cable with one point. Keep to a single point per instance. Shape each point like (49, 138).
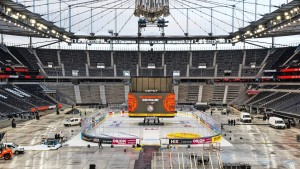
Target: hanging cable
(115, 17)
(207, 7)
(111, 10)
(209, 16)
(82, 20)
(125, 23)
(177, 23)
(191, 20)
(88, 10)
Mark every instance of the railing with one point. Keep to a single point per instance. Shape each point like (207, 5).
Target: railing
(157, 47)
(192, 159)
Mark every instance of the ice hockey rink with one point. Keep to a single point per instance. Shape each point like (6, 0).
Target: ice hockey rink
(118, 125)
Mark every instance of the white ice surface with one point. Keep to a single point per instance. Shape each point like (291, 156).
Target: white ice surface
(124, 127)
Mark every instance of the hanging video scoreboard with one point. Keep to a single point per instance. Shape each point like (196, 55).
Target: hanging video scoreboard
(151, 97)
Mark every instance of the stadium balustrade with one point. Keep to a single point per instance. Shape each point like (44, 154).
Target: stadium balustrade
(100, 57)
(74, 61)
(249, 71)
(183, 93)
(28, 96)
(27, 58)
(90, 93)
(6, 58)
(106, 72)
(6, 109)
(255, 56)
(151, 57)
(151, 72)
(115, 93)
(229, 60)
(259, 96)
(104, 58)
(67, 89)
(269, 86)
(288, 52)
(271, 97)
(126, 61)
(37, 91)
(233, 92)
(280, 103)
(14, 100)
(218, 94)
(207, 93)
(193, 94)
(47, 56)
(294, 109)
(273, 57)
(206, 57)
(176, 61)
(288, 87)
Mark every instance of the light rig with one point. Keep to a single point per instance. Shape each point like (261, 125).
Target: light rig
(151, 14)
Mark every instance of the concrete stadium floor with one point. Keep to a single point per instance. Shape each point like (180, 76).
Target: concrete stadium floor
(256, 144)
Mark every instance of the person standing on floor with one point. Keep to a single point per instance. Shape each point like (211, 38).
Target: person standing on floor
(100, 143)
(61, 136)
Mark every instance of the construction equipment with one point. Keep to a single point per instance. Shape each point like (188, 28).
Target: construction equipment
(5, 153)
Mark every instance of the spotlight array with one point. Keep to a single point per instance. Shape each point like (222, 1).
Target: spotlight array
(29, 24)
(285, 19)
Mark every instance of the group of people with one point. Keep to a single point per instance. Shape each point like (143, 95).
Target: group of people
(59, 136)
(231, 122)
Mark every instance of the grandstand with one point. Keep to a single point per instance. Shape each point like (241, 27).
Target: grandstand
(230, 55)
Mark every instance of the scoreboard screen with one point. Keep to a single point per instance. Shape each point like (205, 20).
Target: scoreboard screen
(151, 104)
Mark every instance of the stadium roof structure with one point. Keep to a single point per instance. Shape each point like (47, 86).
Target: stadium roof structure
(16, 19)
(281, 22)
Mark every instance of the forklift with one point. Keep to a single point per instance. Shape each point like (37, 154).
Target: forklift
(5, 153)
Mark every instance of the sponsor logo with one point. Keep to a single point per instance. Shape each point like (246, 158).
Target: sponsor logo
(217, 138)
(150, 108)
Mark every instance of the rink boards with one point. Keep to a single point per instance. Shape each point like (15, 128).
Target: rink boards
(118, 128)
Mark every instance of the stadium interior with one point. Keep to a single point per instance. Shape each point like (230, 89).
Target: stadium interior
(221, 59)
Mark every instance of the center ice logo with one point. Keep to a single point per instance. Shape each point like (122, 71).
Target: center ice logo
(150, 108)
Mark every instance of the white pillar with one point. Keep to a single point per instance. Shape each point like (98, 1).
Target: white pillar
(176, 88)
(240, 70)
(112, 59)
(225, 94)
(115, 70)
(244, 57)
(215, 58)
(87, 73)
(216, 71)
(163, 59)
(200, 93)
(58, 57)
(88, 58)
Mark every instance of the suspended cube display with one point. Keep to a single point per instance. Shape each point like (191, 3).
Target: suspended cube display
(151, 9)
